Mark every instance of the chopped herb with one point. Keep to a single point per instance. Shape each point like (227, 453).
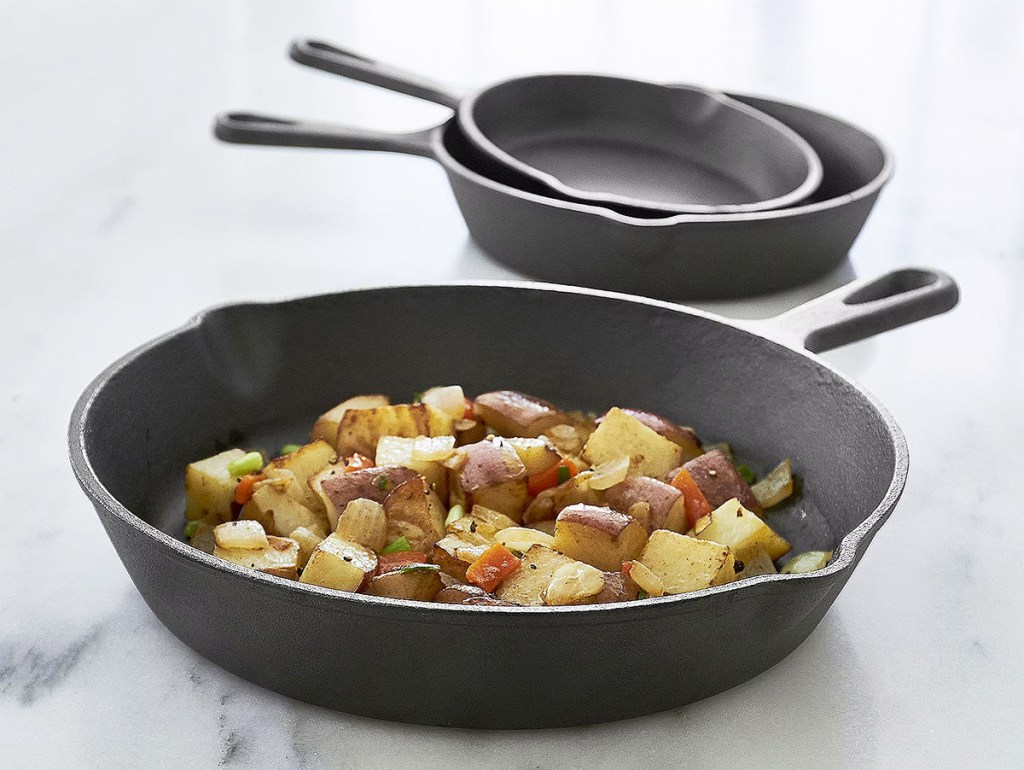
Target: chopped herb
(642, 594)
(417, 397)
(456, 513)
(190, 529)
(417, 568)
(382, 482)
(563, 474)
(748, 475)
(401, 544)
(250, 462)
(287, 449)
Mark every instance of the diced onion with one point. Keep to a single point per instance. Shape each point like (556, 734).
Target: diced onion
(610, 473)
(776, 486)
(432, 449)
(809, 561)
(449, 399)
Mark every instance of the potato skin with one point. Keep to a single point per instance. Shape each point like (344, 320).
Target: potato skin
(600, 537)
(685, 438)
(512, 413)
(719, 481)
(343, 488)
(668, 509)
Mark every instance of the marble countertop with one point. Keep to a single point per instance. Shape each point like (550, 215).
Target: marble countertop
(121, 216)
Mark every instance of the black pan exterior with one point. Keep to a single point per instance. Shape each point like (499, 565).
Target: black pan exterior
(267, 370)
(683, 257)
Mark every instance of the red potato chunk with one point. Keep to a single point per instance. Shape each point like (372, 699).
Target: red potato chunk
(719, 481)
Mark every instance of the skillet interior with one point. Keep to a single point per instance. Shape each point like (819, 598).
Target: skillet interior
(259, 374)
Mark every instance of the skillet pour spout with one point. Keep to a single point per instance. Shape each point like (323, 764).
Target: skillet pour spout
(379, 657)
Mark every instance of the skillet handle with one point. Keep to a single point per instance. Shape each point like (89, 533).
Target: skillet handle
(330, 58)
(252, 128)
(863, 309)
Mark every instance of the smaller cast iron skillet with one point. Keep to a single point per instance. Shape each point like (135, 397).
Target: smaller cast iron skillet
(688, 256)
(614, 141)
(257, 375)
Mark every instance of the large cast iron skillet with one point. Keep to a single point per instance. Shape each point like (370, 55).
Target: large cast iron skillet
(689, 256)
(257, 374)
(613, 141)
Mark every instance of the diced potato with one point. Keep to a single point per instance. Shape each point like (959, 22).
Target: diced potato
(240, 534)
(458, 593)
(645, 579)
(339, 488)
(363, 521)
(395, 450)
(547, 526)
(361, 429)
(574, 583)
(521, 539)
(308, 540)
(416, 513)
(719, 481)
(337, 563)
(668, 507)
(619, 433)
(279, 557)
(527, 584)
(511, 413)
(454, 555)
(808, 561)
(685, 563)
(447, 398)
(600, 537)
(617, 588)
(480, 525)
(326, 426)
(510, 498)
(536, 454)
(776, 486)
(571, 436)
(302, 464)
(209, 488)
(416, 581)
(742, 530)
(489, 473)
(280, 512)
(684, 437)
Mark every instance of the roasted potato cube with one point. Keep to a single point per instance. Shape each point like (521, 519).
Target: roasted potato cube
(742, 530)
(337, 563)
(719, 481)
(279, 557)
(600, 537)
(617, 588)
(547, 526)
(339, 488)
(416, 513)
(449, 399)
(326, 426)
(302, 464)
(684, 437)
(575, 583)
(536, 454)
(364, 521)
(395, 450)
(307, 540)
(668, 507)
(414, 581)
(361, 429)
(454, 555)
(209, 488)
(281, 512)
(511, 413)
(620, 433)
(758, 562)
(490, 473)
(480, 525)
(527, 584)
(685, 563)
(458, 593)
(240, 534)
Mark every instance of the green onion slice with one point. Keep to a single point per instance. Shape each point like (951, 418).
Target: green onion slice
(250, 462)
(399, 545)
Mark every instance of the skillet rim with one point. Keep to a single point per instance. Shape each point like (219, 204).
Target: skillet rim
(846, 553)
(452, 165)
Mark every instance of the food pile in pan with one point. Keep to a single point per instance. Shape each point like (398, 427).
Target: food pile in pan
(502, 500)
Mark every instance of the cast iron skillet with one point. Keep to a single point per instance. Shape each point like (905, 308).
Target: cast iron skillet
(689, 256)
(612, 140)
(257, 375)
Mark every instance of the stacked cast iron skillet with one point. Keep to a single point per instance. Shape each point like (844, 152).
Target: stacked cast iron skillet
(257, 374)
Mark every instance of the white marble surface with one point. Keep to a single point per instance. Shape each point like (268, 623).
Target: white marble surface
(120, 216)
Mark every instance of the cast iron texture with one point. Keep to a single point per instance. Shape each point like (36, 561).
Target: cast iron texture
(613, 141)
(689, 256)
(258, 374)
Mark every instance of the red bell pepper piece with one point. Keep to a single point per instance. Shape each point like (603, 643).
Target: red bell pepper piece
(697, 506)
(492, 566)
(552, 477)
